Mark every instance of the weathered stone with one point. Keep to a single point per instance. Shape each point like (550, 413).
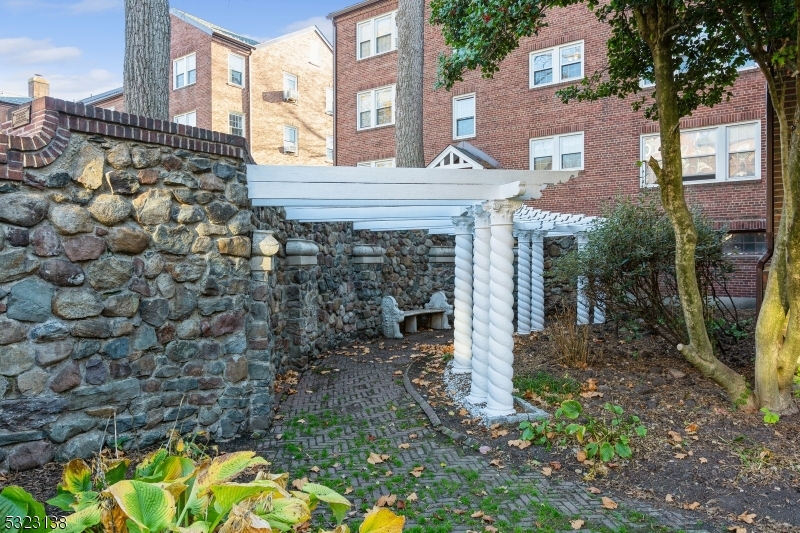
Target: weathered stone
(117, 348)
(125, 304)
(181, 178)
(188, 329)
(238, 246)
(23, 209)
(227, 323)
(30, 414)
(109, 273)
(170, 162)
(122, 326)
(237, 195)
(140, 286)
(187, 214)
(110, 209)
(182, 351)
(153, 207)
(144, 366)
(209, 182)
(85, 348)
(208, 416)
(54, 180)
(11, 331)
(119, 157)
(191, 269)
(224, 170)
(183, 195)
(235, 369)
(20, 436)
(14, 265)
(52, 352)
(153, 266)
(182, 305)
(84, 248)
(47, 332)
(122, 182)
(236, 343)
(88, 167)
(209, 306)
(45, 241)
(29, 301)
(205, 229)
(145, 157)
(201, 245)
(127, 240)
(220, 212)
(166, 285)
(67, 378)
(218, 266)
(30, 455)
(203, 197)
(70, 219)
(15, 359)
(148, 176)
(19, 237)
(95, 372)
(144, 338)
(70, 426)
(199, 164)
(2, 240)
(82, 446)
(240, 224)
(62, 272)
(32, 382)
(174, 240)
(93, 328)
(154, 311)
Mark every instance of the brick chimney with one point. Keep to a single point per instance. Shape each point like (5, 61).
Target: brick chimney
(38, 87)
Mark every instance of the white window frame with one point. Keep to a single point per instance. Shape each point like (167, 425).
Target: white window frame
(372, 23)
(235, 114)
(231, 55)
(374, 163)
(314, 52)
(296, 138)
(182, 118)
(555, 54)
(474, 116)
(723, 168)
(556, 146)
(185, 71)
(290, 77)
(329, 100)
(329, 148)
(374, 111)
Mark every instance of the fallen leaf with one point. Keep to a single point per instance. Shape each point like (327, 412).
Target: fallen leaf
(580, 456)
(301, 421)
(401, 504)
(594, 490)
(669, 498)
(737, 529)
(459, 511)
(477, 514)
(277, 417)
(577, 524)
(279, 436)
(398, 373)
(747, 518)
(703, 460)
(680, 456)
(589, 385)
(499, 433)
(404, 446)
(490, 529)
(521, 444)
(417, 471)
(412, 436)
(487, 518)
(608, 503)
(386, 501)
(675, 436)
(463, 412)
(691, 506)
(591, 394)
(299, 483)
(314, 469)
(556, 465)
(374, 459)
(412, 497)
(495, 462)
(387, 473)
(547, 471)
(348, 490)
(692, 428)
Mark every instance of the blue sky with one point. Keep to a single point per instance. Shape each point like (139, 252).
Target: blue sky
(78, 45)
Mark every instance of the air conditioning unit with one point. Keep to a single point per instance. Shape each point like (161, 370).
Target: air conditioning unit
(290, 95)
(289, 148)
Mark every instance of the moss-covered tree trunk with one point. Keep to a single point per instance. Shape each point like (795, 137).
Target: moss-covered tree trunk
(654, 27)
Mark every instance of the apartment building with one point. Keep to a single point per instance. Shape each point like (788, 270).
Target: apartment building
(277, 93)
(516, 121)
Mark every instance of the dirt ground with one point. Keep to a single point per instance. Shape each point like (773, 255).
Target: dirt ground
(699, 454)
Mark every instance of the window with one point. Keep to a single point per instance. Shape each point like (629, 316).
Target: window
(562, 152)
(187, 119)
(236, 123)
(377, 36)
(381, 163)
(329, 100)
(375, 108)
(745, 243)
(290, 93)
(289, 140)
(738, 145)
(329, 149)
(313, 52)
(464, 116)
(236, 70)
(556, 65)
(184, 71)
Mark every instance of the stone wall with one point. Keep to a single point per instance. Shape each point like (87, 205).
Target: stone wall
(124, 285)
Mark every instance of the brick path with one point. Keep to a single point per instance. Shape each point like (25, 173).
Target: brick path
(352, 405)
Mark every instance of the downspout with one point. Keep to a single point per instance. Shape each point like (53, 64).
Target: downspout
(770, 208)
(335, 95)
(250, 100)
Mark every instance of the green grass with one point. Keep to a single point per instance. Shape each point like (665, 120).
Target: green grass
(552, 389)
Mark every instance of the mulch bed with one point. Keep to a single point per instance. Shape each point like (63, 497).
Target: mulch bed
(699, 453)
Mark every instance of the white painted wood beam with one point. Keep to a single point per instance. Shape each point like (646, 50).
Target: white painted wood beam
(350, 214)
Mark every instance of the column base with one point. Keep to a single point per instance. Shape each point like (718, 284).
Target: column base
(523, 332)
(458, 369)
(475, 400)
(499, 411)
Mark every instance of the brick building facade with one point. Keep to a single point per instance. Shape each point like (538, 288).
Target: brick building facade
(517, 119)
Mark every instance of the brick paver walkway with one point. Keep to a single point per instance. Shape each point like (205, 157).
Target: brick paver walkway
(352, 405)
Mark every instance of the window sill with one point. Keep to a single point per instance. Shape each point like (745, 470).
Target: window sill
(376, 55)
(464, 138)
(329, 113)
(555, 84)
(234, 85)
(375, 127)
(184, 87)
(710, 182)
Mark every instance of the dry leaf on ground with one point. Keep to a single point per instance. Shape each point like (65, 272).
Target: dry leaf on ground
(608, 503)
(521, 444)
(746, 517)
(547, 471)
(386, 501)
(594, 490)
(669, 498)
(412, 497)
(691, 506)
(404, 446)
(577, 524)
(299, 483)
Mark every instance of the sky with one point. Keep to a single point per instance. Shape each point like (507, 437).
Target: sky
(79, 45)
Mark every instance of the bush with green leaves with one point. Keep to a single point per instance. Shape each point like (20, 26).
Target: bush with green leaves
(629, 262)
(602, 439)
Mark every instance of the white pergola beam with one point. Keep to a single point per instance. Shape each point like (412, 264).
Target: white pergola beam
(277, 190)
(353, 214)
(387, 225)
(387, 202)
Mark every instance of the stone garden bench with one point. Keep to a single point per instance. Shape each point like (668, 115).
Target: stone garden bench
(437, 308)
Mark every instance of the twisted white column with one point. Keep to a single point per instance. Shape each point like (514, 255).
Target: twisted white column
(599, 312)
(537, 280)
(462, 321)
(523, 282)
(480, 306)
(582, 300)
(500, 401)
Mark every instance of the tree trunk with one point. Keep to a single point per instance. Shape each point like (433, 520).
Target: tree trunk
(669, 175)
(147, 58)
(408, 120)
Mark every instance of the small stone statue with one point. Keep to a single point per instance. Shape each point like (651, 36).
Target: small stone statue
(439, 301)
(391, 318)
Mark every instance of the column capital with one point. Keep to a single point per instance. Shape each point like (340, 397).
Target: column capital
(479, 216)
(538, 235)
(464, 225)
(523, 235)
(502, 211)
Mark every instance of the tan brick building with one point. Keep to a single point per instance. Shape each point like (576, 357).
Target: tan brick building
(516, 121)
(278, 94)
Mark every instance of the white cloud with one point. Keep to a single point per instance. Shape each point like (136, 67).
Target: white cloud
(93, 6)
(74, 8)
(65, 85)
(27, 51)
(322, 23)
